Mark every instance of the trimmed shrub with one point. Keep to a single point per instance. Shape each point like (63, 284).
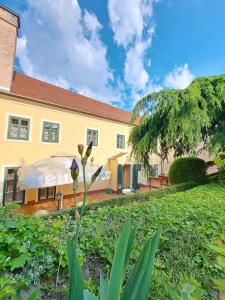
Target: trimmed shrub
(132, 198)
(187, 169)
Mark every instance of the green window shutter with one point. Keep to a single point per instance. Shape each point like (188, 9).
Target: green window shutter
(135, 177)
(120, 177)
(139, 167)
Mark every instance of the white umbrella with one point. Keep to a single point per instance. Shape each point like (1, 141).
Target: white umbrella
(55, 170)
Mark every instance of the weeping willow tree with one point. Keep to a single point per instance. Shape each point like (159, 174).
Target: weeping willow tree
(180, 120)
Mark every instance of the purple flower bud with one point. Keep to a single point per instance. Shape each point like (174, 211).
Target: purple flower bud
(89, 149)
(95, 175)
(74, 170)
(80, 149)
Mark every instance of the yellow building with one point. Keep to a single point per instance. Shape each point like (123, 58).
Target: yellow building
(39, 120)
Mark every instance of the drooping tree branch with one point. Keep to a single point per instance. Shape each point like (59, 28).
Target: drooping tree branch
(180, 120)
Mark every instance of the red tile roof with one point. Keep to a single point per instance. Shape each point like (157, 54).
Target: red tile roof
(49, 94)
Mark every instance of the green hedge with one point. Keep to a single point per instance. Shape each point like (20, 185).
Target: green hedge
(187, 169)
(135, 197)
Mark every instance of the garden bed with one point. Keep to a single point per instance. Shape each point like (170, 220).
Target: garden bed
(31, 247)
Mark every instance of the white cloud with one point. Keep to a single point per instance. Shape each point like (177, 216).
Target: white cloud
(131, 22)
(21, 52)
(134, 72)
(128, 18)
(179, 78)
(61, 44)
(150, 88)
(91, 22)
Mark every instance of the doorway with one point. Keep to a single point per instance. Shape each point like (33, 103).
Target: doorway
(126, 176)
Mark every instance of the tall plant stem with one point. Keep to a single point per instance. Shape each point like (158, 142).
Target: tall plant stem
(78, 222)
(74, 197)
(85, 193)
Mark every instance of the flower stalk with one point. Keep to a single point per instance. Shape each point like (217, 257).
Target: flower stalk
(74, 174)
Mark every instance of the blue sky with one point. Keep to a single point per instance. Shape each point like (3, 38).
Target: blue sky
(118, 51)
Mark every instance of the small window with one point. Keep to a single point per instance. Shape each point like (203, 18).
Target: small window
(50, 132)
(154, 170)
(47, 193)
(18, 128)
(120, 143)
(92, 135)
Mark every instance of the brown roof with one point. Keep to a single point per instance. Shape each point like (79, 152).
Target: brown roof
(50, 94)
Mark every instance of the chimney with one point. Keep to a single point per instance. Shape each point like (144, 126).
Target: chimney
(9, 24)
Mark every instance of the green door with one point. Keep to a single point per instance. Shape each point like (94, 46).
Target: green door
(136, 168)
(120, 178)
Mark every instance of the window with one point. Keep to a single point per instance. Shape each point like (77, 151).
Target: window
(11, 192)
(18, 128)
(154, 170)
(46, 193)
(50, 132)
(92, 135)
(120, 142)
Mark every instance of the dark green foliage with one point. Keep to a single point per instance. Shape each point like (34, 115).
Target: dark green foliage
(187, 169)
(180, 120)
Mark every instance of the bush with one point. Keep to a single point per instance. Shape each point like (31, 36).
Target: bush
(220, 162)
(186, 169)
(131, 198)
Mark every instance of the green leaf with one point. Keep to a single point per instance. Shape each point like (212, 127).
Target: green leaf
(129, 248)
(186, 291)
(19, 262)
(220, 284)
(34, 295)
(88, 296)
(117, 271)
(103, 288)
(173, 294)
(76, 281)
(138, 283)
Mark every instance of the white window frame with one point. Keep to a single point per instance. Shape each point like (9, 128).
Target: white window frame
(86, 132)
(124, 140)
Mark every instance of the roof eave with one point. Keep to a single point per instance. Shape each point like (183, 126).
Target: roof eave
(58, 106)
